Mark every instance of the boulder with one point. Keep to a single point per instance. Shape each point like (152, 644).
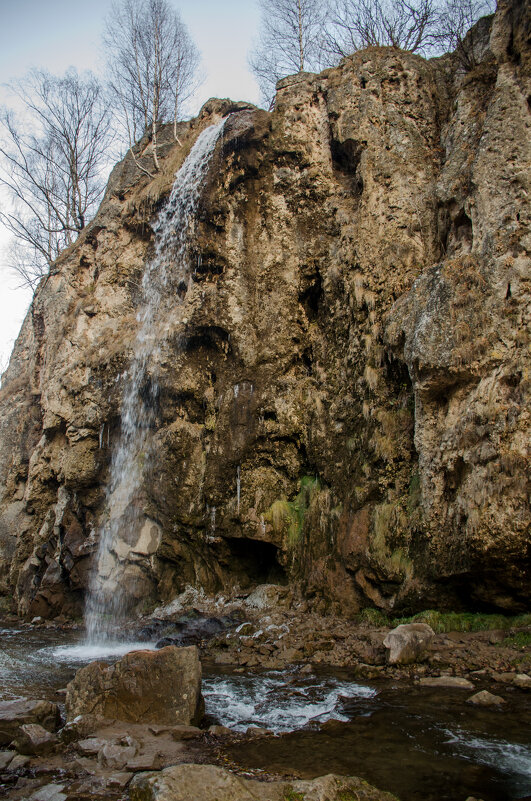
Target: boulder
(144, 687)
(5, 759)
(210, 783)
(523, 681)
(408, 643)
(14, 714)
(34, 740)
(484, 698)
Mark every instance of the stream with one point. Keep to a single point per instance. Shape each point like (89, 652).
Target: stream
(419, 743)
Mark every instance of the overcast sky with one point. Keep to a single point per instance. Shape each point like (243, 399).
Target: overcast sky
(55, 34)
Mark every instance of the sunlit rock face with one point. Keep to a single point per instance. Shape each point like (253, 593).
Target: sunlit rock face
(343, 394)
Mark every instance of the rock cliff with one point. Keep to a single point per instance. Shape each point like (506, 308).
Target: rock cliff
(343, 398)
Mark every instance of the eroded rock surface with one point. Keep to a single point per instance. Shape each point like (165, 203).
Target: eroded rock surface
(343, 398)
(144, 687)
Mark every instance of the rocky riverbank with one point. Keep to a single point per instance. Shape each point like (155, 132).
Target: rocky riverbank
(96, 755)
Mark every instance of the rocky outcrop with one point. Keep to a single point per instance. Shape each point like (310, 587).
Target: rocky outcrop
(210, 783)
(343, 398)
(144, 687)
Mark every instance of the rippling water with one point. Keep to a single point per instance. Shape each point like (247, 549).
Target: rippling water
(277, 702)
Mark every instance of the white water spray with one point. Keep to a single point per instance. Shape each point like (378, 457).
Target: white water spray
(129, 537)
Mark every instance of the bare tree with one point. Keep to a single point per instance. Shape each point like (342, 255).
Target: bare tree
(428, 27)
(457, 30)
(152, 64)
(289, 41)
(404, 24)
(53, 159)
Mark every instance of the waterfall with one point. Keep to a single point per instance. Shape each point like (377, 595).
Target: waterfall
(129, 538)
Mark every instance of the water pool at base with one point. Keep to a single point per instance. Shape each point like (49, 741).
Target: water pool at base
(419, 743)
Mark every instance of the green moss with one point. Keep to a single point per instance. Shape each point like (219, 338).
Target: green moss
(386, 517)
(291, 795)
(414, 492)
(374, 617)
(287, 517)
(465, 621)
(521, 639)
(6, 604)
(210, 422)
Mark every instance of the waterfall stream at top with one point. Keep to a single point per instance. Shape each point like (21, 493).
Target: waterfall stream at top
(128, 536)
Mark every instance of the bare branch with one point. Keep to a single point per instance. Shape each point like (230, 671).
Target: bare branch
(53, 159)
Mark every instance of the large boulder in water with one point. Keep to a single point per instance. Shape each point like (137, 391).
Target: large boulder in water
(144, 687)
(210, 783)
(408, 643)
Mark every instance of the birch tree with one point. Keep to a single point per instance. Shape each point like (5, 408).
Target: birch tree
(152, 67)
(289, 41)
(53, 165)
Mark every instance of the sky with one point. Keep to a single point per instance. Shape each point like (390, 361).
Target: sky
(55, 34)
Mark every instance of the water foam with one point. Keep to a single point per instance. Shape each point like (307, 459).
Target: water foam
(268, 701)
(512, 759)
(91, 652)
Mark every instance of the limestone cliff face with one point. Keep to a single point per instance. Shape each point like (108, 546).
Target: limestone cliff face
(344, 396)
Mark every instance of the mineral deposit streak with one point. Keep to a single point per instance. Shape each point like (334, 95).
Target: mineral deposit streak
(128, 537)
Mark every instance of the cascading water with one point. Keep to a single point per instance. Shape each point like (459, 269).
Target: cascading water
(129, 537)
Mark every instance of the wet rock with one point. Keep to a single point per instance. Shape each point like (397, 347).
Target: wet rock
(503, 678)
(34, 740)
(14, 714)
(219, 731)
(408, 643)
(446, 681)
(210, 783)
(145, 686)
(522, 681)
(484, 698)
(191, 628)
